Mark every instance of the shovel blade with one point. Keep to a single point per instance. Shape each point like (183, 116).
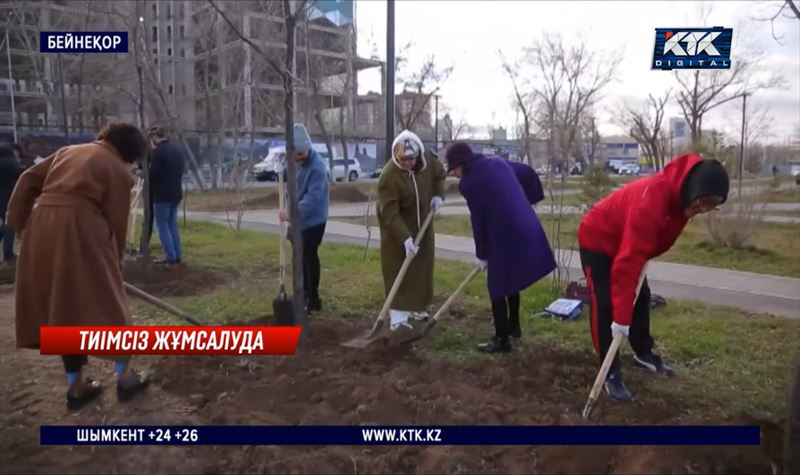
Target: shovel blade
(367, 339)
(587, 410)
(283, 311)
(423, 332)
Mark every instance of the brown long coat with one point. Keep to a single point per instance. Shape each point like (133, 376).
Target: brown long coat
(403, 204)
(72, 210)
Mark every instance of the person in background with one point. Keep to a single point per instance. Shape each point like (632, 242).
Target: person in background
(72, 210)
(10, 170)
(510, 243)
(312, 207)
(621, 234)
(410, 186)
(166, 187)
(529, 179)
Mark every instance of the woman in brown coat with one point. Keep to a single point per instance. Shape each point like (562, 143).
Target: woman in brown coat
(72, 210)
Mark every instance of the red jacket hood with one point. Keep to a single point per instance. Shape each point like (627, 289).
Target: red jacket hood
(676, 172)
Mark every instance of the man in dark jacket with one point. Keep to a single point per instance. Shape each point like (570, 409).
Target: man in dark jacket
(10, 170)
(166, 186)
(510, 242)
(621, 234)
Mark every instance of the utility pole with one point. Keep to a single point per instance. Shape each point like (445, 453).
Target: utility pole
(144, 242)
(741, 145)
(389, 78)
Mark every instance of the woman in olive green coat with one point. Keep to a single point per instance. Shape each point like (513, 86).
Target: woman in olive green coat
(411, 186)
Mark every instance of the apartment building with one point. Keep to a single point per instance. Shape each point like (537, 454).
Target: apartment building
(196, 71)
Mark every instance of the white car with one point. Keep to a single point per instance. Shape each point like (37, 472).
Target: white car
(275, 161)
(629, 169)
(353, 169)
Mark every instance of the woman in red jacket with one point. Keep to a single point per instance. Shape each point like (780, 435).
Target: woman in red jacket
(624, 231)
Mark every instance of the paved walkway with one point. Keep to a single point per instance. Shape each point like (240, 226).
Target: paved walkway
(358, 210)
(759, 293)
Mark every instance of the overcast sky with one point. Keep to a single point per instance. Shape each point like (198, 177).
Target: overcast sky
(467, 35)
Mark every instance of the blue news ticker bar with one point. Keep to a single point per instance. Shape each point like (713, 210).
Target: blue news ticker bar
(400, 435)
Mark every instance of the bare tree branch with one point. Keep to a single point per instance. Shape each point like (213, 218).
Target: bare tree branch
(645, 126)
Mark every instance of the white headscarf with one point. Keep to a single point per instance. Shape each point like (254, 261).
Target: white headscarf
(405, 144)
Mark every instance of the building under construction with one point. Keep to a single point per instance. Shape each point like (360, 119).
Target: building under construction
(188, 66)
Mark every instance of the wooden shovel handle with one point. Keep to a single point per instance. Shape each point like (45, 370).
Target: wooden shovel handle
(457, 292)
(403, 269)
(162, 305)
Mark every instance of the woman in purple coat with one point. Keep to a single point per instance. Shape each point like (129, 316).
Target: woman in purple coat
(510, 243)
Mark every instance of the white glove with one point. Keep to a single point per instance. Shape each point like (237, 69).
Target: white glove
(436, 203)
(411, 249)
(482, 265)
(617, 329)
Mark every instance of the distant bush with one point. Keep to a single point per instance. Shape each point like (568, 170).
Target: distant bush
(596, 185)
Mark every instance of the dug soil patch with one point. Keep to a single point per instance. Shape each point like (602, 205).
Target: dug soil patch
(177, 281)
(326, 383)
(329, 384)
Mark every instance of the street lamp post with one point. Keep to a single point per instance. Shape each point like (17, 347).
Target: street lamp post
(389, 78)
(741, 145)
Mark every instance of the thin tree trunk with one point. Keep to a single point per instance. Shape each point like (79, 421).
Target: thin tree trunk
(289, 106)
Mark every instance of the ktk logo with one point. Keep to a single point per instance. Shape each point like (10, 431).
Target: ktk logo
(696, 42)
(692, 48)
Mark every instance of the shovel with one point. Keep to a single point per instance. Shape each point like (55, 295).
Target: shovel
(380, 322)
(426, 330)
(161, 304)
(594, 394)
(282, 306)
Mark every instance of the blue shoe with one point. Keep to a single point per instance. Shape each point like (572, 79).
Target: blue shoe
(653, 363)
(615, 387)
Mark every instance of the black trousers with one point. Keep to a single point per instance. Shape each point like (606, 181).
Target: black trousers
(597, 269)
(74, 363)
(312, 238)
(505, 312)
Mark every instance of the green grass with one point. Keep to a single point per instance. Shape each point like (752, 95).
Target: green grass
(773, 249)
(724, 358)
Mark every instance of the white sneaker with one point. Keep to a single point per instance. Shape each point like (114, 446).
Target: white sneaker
(420, 316)
(397, 326)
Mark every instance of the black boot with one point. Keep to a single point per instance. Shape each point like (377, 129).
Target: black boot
(313, 302)
(130, 384)
(653, 363)
(515, 331)
(82, 393)
(615, 387)
(495, 345)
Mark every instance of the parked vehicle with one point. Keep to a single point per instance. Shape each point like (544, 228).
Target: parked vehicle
(353, 169)
(630, 169)
(275, 162)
